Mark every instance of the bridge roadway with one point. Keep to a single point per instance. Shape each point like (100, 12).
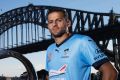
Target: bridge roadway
(106, 33)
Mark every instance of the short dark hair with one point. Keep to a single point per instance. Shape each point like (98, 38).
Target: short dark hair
(58, 10)
(42, 73)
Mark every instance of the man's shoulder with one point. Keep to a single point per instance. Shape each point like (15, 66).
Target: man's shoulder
(81, 37)
(51, 46)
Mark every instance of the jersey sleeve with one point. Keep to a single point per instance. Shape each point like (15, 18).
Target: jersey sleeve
(48, 57)
(92, 54)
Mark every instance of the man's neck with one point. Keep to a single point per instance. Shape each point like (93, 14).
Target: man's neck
(59, 40)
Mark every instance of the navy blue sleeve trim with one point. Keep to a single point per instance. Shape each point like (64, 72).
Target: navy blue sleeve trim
(97, 64)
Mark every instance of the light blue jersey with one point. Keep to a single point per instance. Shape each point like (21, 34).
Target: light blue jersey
(72, 59)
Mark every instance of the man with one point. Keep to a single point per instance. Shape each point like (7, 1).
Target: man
(72, 55)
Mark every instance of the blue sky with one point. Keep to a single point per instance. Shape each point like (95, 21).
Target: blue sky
(38, 59)
(89, 5)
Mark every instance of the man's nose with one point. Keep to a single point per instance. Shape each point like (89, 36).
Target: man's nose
(54, 23)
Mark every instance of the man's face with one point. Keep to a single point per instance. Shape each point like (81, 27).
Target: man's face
(57, 24)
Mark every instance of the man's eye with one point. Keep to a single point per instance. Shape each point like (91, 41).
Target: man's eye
(50, 22)
(59, 20)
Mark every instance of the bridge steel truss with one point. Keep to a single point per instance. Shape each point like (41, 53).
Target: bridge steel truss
(25, 30)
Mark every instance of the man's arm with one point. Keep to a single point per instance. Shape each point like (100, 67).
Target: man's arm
(108, 71)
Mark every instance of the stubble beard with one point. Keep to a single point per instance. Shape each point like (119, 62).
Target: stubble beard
(59, 34)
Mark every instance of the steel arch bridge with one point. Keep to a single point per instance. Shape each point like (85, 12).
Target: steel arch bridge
(24, 29)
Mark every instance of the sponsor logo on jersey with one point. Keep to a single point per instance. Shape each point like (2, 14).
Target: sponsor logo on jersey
(57, 50)
(99, 57)
(61, 70)
(99, 54)
(97, 51)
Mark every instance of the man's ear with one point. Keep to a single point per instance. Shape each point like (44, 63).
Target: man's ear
(68, 23)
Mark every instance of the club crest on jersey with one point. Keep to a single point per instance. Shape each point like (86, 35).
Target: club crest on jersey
(66, 53)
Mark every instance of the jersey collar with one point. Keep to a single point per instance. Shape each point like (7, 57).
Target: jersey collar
(64, 40)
